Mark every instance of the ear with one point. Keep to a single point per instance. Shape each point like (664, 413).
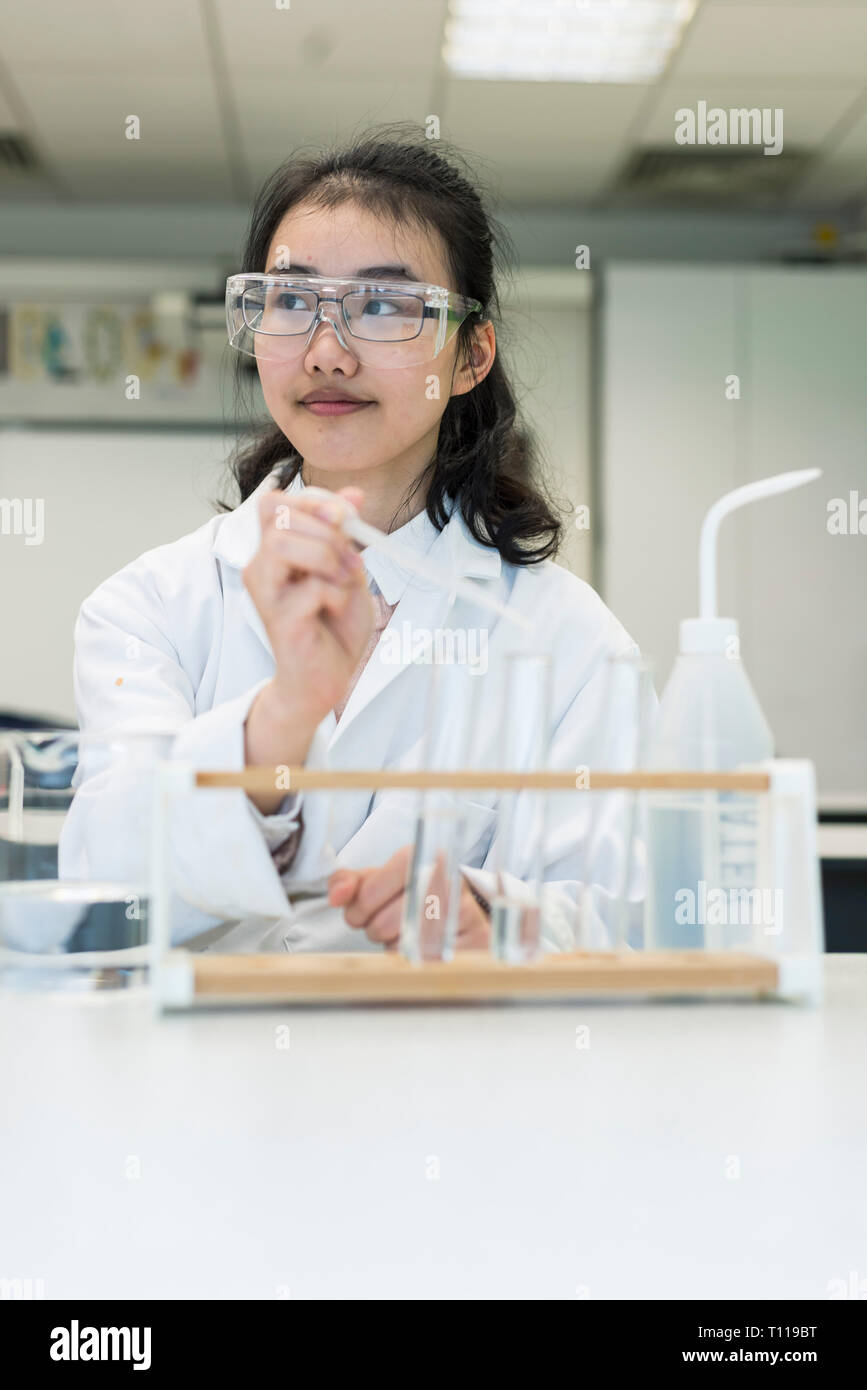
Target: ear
(475, 362)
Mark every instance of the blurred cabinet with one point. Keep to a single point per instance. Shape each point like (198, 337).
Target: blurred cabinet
(676, 432)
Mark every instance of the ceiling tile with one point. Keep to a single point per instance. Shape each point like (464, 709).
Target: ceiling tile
(325, 69)
(382, 40)
(103, 36)
(277, 117)
(814, 41)
(83, 141)
(853, 144)
(502, 119)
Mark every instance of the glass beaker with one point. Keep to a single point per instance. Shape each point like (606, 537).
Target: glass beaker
(75, 826)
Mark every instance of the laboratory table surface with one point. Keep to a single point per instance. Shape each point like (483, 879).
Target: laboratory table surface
(598, 1150)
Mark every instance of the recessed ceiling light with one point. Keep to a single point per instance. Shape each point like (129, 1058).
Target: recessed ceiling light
(563, 40)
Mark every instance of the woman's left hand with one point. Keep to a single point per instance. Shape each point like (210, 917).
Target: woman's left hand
(372, 900)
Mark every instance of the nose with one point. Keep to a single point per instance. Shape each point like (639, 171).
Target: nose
(328, 351)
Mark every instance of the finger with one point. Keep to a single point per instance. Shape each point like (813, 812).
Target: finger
(385, 926)
(470, 913)
(342, 886)
(333, 506)
(318, 501)
(436, 892)
(290, 519)
(474, 931)
(302, 598)
(379, 887)
(358, 915)
(309, 597)
(316, 511)
(282, 559)
(476, 940)
(303, 554)
(353, 495)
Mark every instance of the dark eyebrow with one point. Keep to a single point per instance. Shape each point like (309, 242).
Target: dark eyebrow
(291, 270)
(387, 272)
(367, 272)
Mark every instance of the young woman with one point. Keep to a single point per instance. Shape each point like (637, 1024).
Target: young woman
(367, 304)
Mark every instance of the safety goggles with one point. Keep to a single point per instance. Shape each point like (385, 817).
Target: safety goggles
(382, 323)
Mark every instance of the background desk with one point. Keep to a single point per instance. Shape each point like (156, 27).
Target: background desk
(310, 1172)
(842, 843)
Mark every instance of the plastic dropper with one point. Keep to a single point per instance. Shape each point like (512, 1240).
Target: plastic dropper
(408, 559)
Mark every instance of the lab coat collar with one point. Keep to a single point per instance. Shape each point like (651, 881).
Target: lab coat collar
(239, 536)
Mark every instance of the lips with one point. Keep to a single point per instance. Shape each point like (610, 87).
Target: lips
(331, 403)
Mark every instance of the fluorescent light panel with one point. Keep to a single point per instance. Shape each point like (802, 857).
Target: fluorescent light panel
(563, 40)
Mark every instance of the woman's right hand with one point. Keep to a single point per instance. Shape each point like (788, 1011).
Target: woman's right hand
(309, 585)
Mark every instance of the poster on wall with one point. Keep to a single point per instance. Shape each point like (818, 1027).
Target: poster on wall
(111, 361)
(96, 343)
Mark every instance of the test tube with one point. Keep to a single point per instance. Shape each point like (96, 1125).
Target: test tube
(519, 846)
(611, 900)
(429, 925)
(433, 890)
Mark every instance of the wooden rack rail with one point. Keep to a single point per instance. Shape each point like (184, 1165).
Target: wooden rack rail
(264, 779)
(386, 977)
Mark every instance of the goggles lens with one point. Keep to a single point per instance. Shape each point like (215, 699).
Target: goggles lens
(274, 317)
(380, 318)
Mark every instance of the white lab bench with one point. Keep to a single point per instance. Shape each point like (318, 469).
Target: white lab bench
(842, 841)
(691, 1150)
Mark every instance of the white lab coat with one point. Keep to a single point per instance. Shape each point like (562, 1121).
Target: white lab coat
(182, 631)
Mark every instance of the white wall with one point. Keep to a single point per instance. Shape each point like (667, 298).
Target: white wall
(548, 345)
(672, 443)
(108, 496)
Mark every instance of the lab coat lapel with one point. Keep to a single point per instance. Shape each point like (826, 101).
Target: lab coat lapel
(237, 541)
(254, 618)
(420, 610)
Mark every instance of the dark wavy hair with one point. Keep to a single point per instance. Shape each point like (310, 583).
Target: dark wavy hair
(486, 460)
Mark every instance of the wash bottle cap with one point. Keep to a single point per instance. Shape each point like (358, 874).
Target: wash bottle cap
(708, 633)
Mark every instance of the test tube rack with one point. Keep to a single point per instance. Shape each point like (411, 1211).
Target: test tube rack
(183, 978)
